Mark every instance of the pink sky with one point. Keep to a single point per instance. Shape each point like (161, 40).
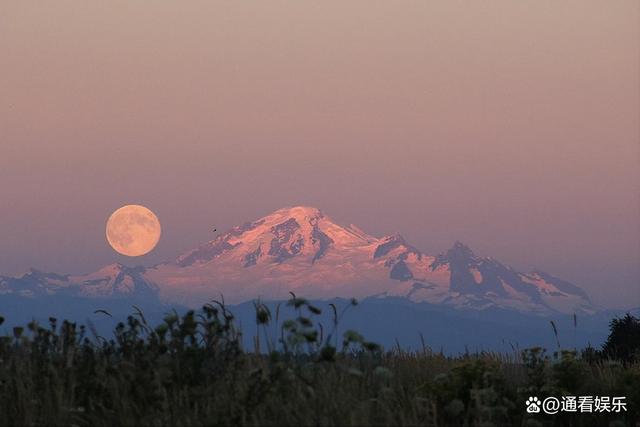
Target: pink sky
(513, 126)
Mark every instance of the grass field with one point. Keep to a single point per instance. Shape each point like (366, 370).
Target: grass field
(192, 370)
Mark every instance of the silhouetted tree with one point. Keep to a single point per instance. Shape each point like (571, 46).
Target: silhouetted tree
(623, 342)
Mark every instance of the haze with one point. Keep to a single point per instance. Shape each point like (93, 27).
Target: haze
(512, 126)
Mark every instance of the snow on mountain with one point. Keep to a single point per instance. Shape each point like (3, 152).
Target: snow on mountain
(484, 282)
(115, 280)
(297, 249)
(33, 283)
(112, 281)
(301, 249)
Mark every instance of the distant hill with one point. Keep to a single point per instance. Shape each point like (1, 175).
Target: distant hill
(389, 321)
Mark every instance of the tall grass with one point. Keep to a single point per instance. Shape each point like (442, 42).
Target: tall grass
(191, 370)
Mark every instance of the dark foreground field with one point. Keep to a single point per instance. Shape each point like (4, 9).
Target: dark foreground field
(192, 370)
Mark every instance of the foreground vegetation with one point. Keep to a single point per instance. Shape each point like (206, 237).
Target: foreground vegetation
(192, 370)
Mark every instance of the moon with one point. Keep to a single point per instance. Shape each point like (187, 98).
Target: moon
(133, 230)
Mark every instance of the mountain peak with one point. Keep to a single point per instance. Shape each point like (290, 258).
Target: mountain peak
(460, 252)
(299, 212)
(117, 268)
(458, 245)
(459, 255)
(115, 280)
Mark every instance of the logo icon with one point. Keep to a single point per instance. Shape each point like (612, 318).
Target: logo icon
(533, 405)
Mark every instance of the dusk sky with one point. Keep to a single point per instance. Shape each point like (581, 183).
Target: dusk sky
(511, 126)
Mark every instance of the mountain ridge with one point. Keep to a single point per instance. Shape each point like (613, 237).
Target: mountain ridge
(301, 249)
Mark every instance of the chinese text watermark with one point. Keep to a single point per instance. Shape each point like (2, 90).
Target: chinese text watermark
(553, 405)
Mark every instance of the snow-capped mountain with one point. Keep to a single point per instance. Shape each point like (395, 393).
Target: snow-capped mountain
(484, 282)
(300, 249)
(112, 281)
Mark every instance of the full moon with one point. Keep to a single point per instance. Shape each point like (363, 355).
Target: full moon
(133, 230)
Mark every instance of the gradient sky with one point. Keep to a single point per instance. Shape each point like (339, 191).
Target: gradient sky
(513, 126)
